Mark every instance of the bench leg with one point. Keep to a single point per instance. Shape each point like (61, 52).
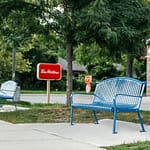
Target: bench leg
(114, 123)
(71, 116)
(15, 104)
(141, 122)
(95, 117)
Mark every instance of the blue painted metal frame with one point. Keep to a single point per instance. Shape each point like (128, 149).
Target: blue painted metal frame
(119, 94)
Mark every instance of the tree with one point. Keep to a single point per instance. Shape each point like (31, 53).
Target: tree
(15, 30)
(64, 17)
(112, 24)
(19, 21)
(68, 19)
(71, 21)
(97, 62)
(22, 65)
(39, 51)
(130, 20)
(119, 28)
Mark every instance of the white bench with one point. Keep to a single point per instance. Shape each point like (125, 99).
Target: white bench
(8, 91)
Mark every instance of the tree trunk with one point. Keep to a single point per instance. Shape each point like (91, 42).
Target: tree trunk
(69, 50)
(129, 65)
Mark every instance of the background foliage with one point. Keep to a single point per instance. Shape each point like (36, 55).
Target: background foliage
(106, 36)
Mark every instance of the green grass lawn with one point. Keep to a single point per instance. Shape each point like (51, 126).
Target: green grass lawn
(48, 113)
(132, 146)
(57, 113)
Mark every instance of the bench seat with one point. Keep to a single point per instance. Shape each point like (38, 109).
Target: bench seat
(92, 107)
(107, 107)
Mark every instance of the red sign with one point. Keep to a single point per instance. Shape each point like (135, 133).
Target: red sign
(88, 79)
(46, 71)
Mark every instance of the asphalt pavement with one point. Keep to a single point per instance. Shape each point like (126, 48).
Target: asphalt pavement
(62, 136)
(61, 98)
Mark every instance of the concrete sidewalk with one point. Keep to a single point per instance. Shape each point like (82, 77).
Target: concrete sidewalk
(60, 136)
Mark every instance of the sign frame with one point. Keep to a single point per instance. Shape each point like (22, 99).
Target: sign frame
(49, 71)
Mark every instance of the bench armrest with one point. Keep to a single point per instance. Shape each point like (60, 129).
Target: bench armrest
(127, 100)
(73, 94)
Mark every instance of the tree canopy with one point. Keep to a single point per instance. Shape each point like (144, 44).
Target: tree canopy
(109, 27)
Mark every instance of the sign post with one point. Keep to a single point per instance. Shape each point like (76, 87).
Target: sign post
(48, 91)
(88, 80)
(47, 71)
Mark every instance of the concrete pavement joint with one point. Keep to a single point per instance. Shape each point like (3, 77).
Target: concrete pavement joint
(65, 137)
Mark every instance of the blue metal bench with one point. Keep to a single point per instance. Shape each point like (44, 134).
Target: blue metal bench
(119, 94)
(8, 91)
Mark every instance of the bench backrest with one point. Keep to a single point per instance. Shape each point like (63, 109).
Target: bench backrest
(106, 90)
(9, 88)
